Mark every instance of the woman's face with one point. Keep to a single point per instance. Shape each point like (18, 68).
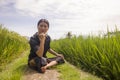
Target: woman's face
(43, 28)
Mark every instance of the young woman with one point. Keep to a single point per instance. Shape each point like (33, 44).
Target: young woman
(40, 44)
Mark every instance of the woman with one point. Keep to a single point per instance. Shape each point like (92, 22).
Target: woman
(40, 44)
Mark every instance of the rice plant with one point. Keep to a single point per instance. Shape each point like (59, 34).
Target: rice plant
(11, 45)
(95, 54)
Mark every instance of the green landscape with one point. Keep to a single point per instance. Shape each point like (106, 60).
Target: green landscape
(98, 57)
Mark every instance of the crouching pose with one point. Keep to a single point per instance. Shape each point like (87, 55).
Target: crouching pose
(40, 44)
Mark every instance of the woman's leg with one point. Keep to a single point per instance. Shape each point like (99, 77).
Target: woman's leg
(36, 63)
(52, 62)
(32, 64)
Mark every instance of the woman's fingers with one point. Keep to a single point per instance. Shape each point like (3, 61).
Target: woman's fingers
(42, 36)
(61, 55)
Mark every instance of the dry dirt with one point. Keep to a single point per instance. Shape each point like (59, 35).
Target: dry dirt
(50, 74)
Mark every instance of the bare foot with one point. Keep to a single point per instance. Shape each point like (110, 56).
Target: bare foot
(43, 69)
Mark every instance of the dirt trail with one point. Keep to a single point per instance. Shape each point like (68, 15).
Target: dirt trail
(50, 74)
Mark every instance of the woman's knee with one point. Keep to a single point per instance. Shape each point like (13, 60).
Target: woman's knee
(32, 63)
(60, 60)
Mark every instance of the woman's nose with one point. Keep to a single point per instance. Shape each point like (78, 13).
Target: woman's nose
(42, 27)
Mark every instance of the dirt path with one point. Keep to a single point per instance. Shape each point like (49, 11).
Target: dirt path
(50, 74)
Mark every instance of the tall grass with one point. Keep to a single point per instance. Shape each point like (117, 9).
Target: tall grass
(95, 54)
(11, 45)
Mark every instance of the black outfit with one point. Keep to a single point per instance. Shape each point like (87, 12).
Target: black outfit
(34, 45)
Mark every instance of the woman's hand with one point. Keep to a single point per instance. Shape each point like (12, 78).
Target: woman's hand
(60, 55)
(42, 36)
(55, 53)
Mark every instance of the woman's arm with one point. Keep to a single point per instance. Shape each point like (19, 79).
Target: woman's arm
(40, 51)
(55, 53)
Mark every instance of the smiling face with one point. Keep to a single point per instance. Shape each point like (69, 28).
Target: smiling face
(43, 27)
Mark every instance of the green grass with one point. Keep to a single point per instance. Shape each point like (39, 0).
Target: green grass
(95, 54)
(11, 45)
(67, 72)
(70, 72)
(15, 70)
